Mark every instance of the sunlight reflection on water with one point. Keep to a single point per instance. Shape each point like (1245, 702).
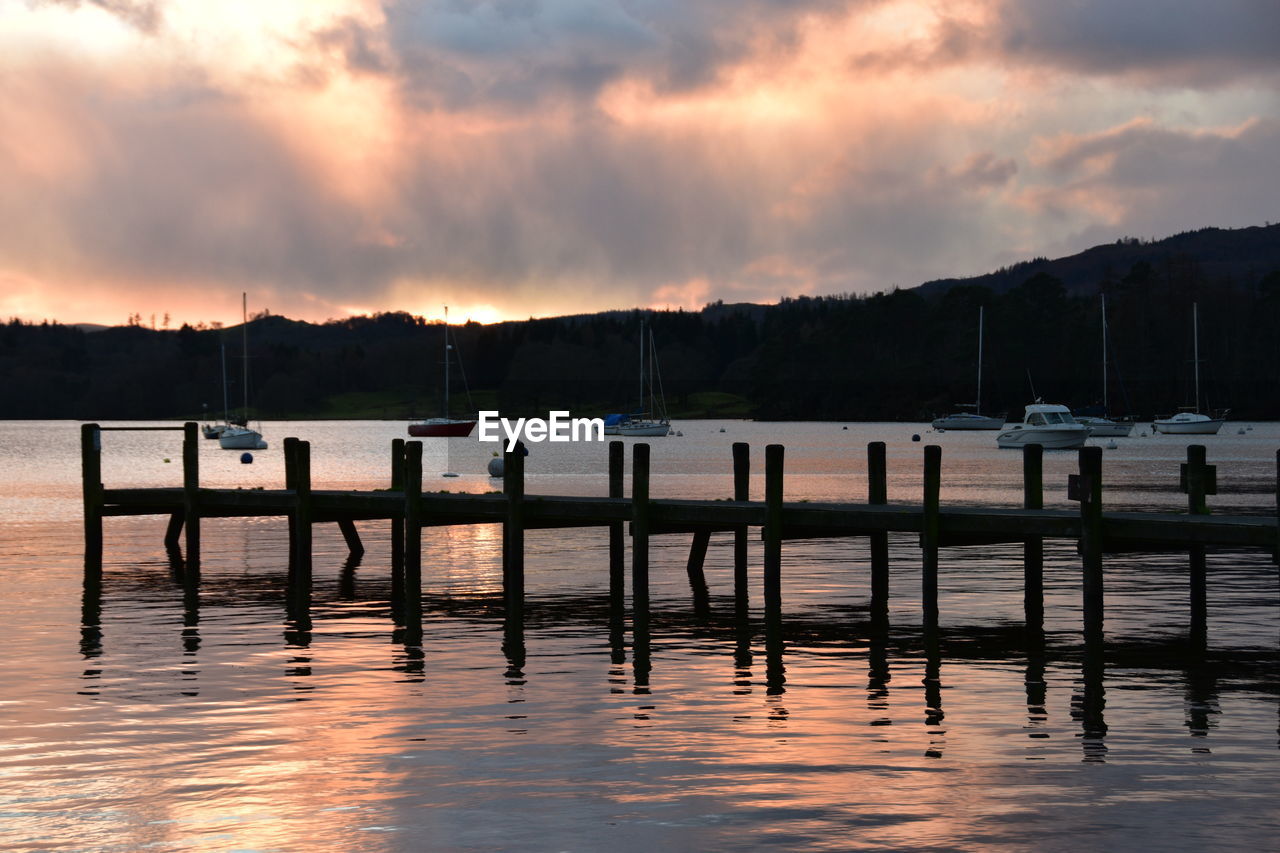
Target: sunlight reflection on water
(131, 720)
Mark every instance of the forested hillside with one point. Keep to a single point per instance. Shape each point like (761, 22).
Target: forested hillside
(905, 354)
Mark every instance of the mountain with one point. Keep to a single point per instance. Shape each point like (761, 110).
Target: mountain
(1237, 254)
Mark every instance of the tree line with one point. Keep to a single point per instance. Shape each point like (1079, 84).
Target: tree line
(897, 355)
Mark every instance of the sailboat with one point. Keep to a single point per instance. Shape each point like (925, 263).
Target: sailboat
(235, 436)
(974, 419)
(1102, 426)
(216, 430)
(652, 421)
(443, 427)
(1189, 420)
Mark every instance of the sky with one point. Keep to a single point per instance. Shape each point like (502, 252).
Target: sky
(542, 157)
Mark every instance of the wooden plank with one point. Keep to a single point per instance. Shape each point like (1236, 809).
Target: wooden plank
(412, 484)
(513, 534)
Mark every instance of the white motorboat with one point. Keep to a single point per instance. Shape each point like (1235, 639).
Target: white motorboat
(1190, 420)
(1189, 423)
(975, 419)
(1047, 424)
(235, 436)
(1106, 427)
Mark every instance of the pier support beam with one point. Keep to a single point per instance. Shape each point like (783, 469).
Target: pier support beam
(91, 482)
(878, 495)
(773, 471)
(355, 548)
(513, 536)
(1198, 480)
(397, 524)
(191, 497)
(412, 484)
(640, 539)
(697, 578)
(617, 534)
(929, 534)
(1089, 492)
(300, 582)
(741, 492)
(1033, 546)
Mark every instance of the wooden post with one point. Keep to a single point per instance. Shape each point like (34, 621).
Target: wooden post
(697, 578)
(302, 518)
(640, 538)
(290, 449)
(1090, 494)
(1033, 546)
(173, 531)
(1197, 480)
(617, 532)
(929, 534)
(513, 534)
(878, 495)
(412, 484)
(773, 470)
(190, 495)
(741, 492)
(355, 548)
(91, 485)
(397, 523)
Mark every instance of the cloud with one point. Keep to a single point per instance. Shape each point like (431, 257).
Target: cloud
(143, 15)
(1156, 43)
(1151, 179)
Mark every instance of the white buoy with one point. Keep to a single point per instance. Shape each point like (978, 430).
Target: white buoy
(1111, 445)
(496, 466)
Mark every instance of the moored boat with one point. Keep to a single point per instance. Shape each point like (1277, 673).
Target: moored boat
(974, 420)
(237, 435)
(1105, 427)
(445, 426)
(1189, 422)
(1047, 424)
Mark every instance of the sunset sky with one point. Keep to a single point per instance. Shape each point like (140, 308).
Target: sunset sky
(536, 157)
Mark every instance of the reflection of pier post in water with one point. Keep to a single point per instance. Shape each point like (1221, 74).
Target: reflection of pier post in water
(933, 714)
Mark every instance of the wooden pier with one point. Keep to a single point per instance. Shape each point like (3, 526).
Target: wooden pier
(409, 509)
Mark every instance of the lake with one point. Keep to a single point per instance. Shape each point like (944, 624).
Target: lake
(132, 719)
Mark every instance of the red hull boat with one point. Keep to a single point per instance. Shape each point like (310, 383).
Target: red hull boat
(441, 428)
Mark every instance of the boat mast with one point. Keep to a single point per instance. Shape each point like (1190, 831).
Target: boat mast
(244, 331)
(977, 406)
(1105, 409)
(446, 362)
(641, 364)
(226, 407)
(1195, 337)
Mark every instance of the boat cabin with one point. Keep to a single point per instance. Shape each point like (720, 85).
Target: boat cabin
(1047, 414)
